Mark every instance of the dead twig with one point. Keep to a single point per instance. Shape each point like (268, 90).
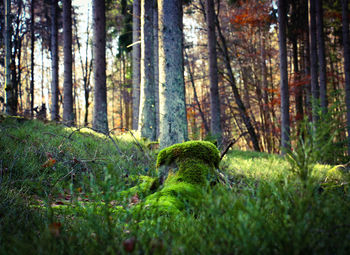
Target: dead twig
(231, 144)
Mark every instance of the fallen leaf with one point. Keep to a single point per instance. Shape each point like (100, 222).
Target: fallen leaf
(49, 163)
(129, 244)
(55, 228)
(135, 199)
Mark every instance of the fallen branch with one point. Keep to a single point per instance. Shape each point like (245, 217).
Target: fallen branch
(231, 144)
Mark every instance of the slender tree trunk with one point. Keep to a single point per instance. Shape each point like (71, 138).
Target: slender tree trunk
(54, 61)
(68, 115)
(156, 63)
(32, 39)
(10, 95)
(242, 109)
(282, 25)
(100, 121)
(201, 113)
(172, 107)
(147, 118)
(321, 56)
(298, 88)
(136, 58)
(215, 124)
(313, 61)
(346, 47)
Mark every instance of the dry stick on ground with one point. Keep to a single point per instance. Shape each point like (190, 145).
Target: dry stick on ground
(231, 144)
(136, 141)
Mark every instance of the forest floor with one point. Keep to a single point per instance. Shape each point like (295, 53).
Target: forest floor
(61, 192)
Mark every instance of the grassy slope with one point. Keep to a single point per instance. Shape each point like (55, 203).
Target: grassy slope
(72, 205)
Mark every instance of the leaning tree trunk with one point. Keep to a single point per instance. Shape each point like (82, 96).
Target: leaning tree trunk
(172, 108)
(136, 57)
(285, 128)
(68, 115)
(54, 61)
(32, 40)
(346, 46)
(321, 56)
(313, 59)
(100, 121)
(241, 107)
(147, 117)
(215, 124)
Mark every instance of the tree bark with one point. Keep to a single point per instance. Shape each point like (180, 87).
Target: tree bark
(346, 48)
(68, 115)
(100, 121)
(321, 56)
(54, 61)
(156, 63)
(313, 60)
(285, 127)
(32, 40)
(147, 117)
(215, 124)
(172, 107)
(136, 57)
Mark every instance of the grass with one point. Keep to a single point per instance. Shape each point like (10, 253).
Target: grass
(67, 191)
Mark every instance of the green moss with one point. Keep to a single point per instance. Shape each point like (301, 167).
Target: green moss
(193, 162)
(202, 150)
(173, 199)
(188, 168)
(145, 186)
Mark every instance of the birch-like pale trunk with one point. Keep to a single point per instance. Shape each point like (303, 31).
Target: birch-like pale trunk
(172, 108)
(136, 58)
(147, 115)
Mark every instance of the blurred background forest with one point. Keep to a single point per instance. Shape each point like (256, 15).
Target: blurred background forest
(248, 65)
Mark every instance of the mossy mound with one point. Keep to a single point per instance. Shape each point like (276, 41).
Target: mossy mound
(193, 162)
(188, 169)
(145, 186)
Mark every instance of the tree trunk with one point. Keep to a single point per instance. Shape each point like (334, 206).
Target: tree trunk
(156, 64)
(321, 56)
(68, 115)
(242, 109)
(313, 60)
(201, 113)
(285, 128)
(32, 39)
(10, 95)
(136, 57)
(100, 121)
(147, 117)
(172, 108)
(54, 61)
(346, 47)
(215, 124)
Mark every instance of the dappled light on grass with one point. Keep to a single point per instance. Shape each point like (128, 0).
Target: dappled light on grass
(88, 201)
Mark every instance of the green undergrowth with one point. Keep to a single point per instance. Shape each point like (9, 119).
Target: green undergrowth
(69, 191)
